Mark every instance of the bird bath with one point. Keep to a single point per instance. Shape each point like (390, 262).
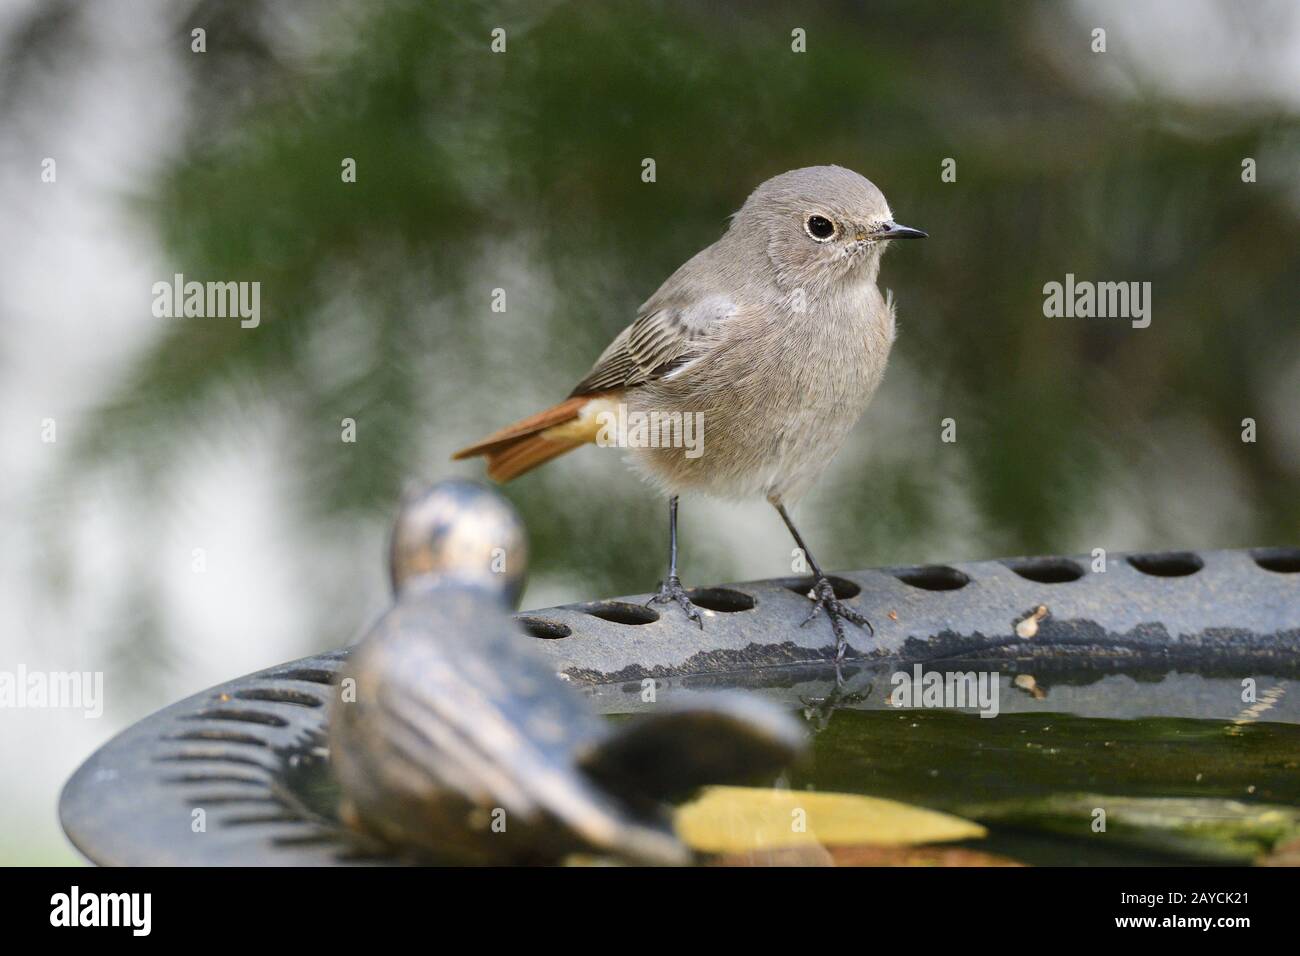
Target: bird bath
(1159, 688)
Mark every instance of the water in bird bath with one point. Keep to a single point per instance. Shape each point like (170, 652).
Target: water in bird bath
(1075, 768)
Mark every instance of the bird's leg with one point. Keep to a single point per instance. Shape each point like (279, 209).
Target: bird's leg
(821, 709)
(823, 594)
(671, 589)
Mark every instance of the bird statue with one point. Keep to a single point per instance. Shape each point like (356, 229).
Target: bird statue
(452, 739)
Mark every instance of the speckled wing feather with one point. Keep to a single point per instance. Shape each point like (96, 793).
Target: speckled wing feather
(485, 717)
(661, 341)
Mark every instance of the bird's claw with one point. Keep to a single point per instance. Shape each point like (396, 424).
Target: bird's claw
(838, 612)
(672, 590)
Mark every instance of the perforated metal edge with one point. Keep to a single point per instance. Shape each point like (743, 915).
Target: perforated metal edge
(1229, 609)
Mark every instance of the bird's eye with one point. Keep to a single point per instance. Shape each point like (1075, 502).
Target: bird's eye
(820, 228)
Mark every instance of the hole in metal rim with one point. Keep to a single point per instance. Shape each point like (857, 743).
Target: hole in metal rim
(219, 736)
(215, 756)
(843, 588)
(540, 627)
(722, 600)
(313, 675)
(932, 577)
(279, 695)
(230, 799)
(1278, 560)
(239, 716)
(308, 839)
(1167, 564)
(216, 778)
(620, 612)
(1046, 570)
(255, 819)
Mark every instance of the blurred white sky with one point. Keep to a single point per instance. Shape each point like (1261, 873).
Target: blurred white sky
(75, 278)
(1238, 53)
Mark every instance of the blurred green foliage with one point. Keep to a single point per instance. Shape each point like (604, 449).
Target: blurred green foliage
(522, 171)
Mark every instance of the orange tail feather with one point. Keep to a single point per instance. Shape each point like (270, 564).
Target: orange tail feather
(527, 443)
(525, 454)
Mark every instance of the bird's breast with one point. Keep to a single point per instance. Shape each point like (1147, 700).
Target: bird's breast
(775, 398)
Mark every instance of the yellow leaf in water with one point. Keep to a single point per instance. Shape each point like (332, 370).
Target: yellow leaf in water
(736, 819)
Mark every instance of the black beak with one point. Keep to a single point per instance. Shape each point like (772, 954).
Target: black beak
(893, 230)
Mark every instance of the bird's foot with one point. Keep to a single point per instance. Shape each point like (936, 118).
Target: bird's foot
(824, 599)
(672, 590)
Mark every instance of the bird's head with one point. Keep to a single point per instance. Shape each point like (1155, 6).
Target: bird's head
(821, 225)
(459, 534)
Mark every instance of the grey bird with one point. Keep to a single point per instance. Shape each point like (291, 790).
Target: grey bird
(774, 338)
(452, 739)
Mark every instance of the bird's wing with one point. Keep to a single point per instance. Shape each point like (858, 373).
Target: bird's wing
(661, 341)
(471, 710)
(717, 738)
(477, 714)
